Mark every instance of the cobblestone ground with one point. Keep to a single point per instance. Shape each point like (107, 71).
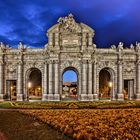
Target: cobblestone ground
(15, 126)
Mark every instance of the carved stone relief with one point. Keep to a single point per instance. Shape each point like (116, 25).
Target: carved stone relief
(66, 64)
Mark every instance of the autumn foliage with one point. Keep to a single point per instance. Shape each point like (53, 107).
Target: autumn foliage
(90, 124)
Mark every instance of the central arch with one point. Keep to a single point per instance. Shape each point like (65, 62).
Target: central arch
(70, 84)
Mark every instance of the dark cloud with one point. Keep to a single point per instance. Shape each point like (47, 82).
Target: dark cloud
(28, 20)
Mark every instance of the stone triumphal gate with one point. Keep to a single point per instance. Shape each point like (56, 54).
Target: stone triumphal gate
(70, 46)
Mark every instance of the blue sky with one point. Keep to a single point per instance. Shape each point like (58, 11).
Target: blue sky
(69, 76)
(29, 20)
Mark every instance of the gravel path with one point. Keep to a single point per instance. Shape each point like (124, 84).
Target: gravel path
(16, 126)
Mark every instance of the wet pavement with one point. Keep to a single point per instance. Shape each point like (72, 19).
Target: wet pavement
(16, 126)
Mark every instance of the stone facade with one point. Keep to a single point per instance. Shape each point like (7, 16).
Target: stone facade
(70, 45)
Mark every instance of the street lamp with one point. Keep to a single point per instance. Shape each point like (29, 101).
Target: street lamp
(110, 86)
(29, 86)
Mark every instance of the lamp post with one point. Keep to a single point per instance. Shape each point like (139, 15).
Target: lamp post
(39, 93)
(110, 86)
(11, 89)
(29, 86)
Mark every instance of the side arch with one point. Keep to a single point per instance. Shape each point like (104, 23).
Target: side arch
(26, 81)
(111, 81)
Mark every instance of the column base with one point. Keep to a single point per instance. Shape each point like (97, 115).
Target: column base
(95, 97)
(131, 98)
(120, 97)
(84, 97)
(44, 97)
(19, 97)
(137, 96)
(56, 97)
(113, 98)
(50, 97)
(1, 97)
(90, 97)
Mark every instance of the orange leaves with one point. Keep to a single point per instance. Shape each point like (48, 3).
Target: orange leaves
(88, 124)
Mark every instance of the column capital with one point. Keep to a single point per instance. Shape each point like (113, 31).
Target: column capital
(50, 61)
(119, 62)
(56, 61)
(84, 34)
(84, 61)
(20, 62)
(45, 62)
(138, 62)
(50, 34)
(90, 61)
(1, 62)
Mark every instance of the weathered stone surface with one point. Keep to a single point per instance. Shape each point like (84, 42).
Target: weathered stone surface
(70, 45)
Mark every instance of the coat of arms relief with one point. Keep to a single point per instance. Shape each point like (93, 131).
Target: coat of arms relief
(70, 31)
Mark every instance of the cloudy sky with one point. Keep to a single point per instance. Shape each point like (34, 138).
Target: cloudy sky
(29, 20)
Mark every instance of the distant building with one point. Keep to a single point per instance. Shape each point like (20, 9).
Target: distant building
(70, 46)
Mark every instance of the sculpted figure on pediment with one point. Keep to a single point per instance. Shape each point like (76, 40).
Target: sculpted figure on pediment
(21, 46)
(68, 24)
(2, 47)
(113, 47)
(120, 46)
(137, 46)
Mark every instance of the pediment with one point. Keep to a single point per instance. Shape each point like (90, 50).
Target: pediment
(68, 25)
(68, 34)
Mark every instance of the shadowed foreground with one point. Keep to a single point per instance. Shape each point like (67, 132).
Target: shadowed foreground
(15, 126)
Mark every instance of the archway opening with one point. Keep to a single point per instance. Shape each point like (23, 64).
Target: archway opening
(70, 84)
(11, 86)
(105, 84)
(34, 84)
(128, 90)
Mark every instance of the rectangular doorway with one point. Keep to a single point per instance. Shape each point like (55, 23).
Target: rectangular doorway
(128, 89)
(11, 89)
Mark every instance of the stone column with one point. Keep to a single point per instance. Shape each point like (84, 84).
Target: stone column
(84, 82)
(57, 40)
(84, 41)
(131, 90)
(113, 96)
(89, 39)
(120, 81)
(90, 93)
(20, 81)
(50, 41)
(44, 95)
(56, 82)
(79, 91)
(8, 88)
(1, 81)
(138, 81)
(95, 96)
(50, 94)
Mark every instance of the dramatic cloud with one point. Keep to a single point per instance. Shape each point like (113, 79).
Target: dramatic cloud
(29, 20)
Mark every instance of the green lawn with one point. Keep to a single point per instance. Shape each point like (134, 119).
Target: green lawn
(71, 105)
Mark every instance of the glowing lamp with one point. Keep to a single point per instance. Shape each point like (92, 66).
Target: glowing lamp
(29, 84)
(110, 84)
